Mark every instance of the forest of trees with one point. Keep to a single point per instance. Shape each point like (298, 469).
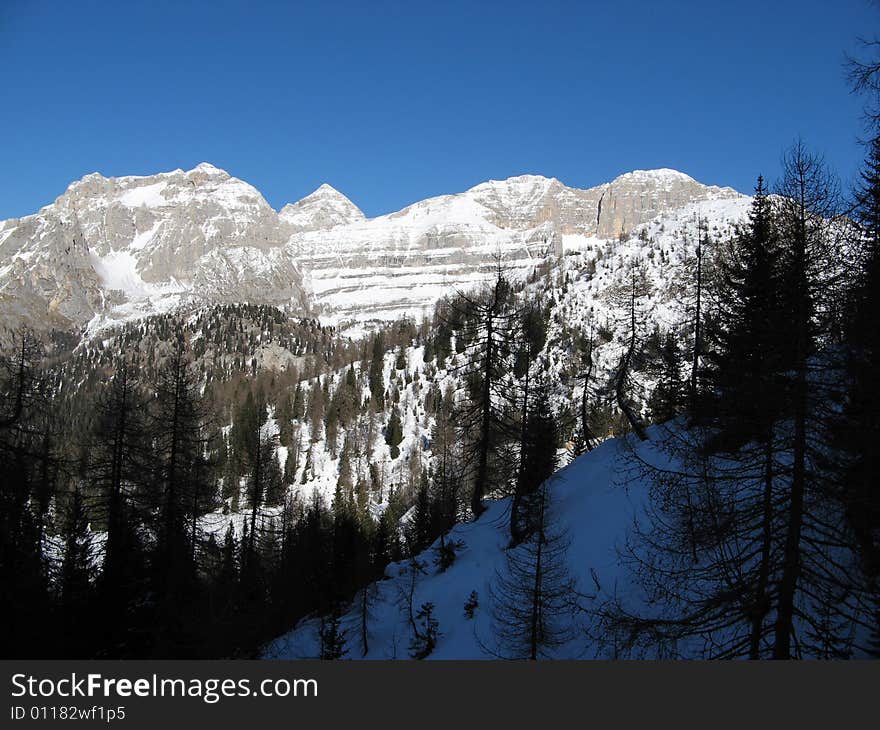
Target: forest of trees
(110, 484)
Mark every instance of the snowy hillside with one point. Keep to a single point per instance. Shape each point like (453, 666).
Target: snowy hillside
(593, 509)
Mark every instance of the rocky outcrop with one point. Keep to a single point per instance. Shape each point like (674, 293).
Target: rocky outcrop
(119, 247)
(321, 210)
(403, 262)
(637, 197)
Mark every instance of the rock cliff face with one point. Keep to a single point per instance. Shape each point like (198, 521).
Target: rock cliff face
(640, 196)
(605, 211)
(111, 248)
(400, 263)
(118, 248)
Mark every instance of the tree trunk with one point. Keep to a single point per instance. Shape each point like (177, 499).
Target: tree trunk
(791, 557)
(516, 534)
(486, 421)
(791, 560)
(624, 370)
(585, 426)
(536, 591)
(759, 609)
(365, 607)
(696, 364)
(256, 496)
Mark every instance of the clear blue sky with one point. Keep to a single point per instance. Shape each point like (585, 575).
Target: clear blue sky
(391, 102)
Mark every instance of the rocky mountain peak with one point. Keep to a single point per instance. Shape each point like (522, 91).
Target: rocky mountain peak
(115, 248)
(208, 167)
(324, 208)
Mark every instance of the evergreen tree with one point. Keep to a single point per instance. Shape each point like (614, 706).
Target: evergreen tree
(808, 206)
(76, 578)
(394, 432)
(428, 634)
(637, 290)
(332, 637)
(856, 430)
(24, 585)
(748, 400)
(586, 438)
(297, 410)
(748, 345)
(117, 466)
(315, 412)
(532, 596)
(487, 339)
(668, 396)
(177, 429)
(421, 528)
(540, 437)
(377, 372)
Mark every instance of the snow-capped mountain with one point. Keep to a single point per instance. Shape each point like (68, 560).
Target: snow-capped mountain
(115, 249)
(401, 263)
(118, 248)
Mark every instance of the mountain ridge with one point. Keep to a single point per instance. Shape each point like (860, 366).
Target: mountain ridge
(115, 248)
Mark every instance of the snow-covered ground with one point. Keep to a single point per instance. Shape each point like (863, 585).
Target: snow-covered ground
(591, 505)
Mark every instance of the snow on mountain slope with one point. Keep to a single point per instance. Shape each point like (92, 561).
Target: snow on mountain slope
(401, 263)
(112, 249)
(592, 507)
(322, 209)
(116, 248)
(382, 268)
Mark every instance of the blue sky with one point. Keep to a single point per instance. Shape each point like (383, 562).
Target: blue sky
(392, 102)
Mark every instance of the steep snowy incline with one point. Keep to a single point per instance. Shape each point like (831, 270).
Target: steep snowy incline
(593, 508)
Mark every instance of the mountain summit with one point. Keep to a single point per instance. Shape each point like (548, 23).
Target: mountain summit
(323, 209)
(117, 248)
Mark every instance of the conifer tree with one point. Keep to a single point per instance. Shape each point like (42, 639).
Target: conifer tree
(487, 339)
(532, 609)
(394, 432)
(315, 412)
(586, 438)
(377, 372)
(429, 632)
(668, 396)
(178, 432)
(76, 578)
(637, 290)
(807, 209)
(855, 431)
(23, 570)
(117, 465)
(332, 637)
(537, 460)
